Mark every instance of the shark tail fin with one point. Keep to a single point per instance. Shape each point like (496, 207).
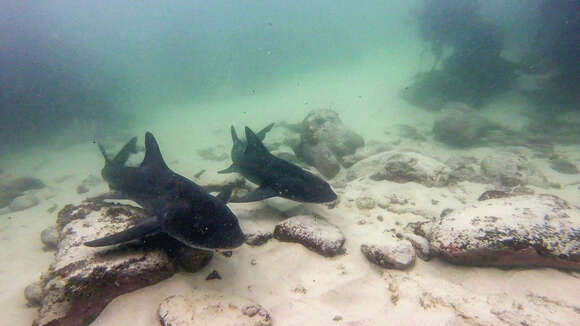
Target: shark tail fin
(128, 149)
(153, 156)
(262, 133)
(148, 226)
(254, 143)
(102, 149)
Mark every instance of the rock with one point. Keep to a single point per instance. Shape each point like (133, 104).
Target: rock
(314, 233)
(214, 275)
(91, 181)
(24, 184)
(563, 166)
(462, 127)
(528, 231)
(395, 254)
(324, 140)
(214, 153)
(410, 132)
(82, 189)
(33, 293)
(401, 167)
(87, 184)
(361, 153)
(23, 202)
(321, 157)
(492, 194)
(420, 244)
(258, 238)
(465, 169)
(83, 280)
(192, 260)
(365, 203)
(446, 212)
(212, 309)
(49, 237)
(7, 196)
(510, 170)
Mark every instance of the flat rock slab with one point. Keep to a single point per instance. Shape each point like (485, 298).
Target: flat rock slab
(212, 309)
(391, 253)
(528, 231)
(83, 280)
(510, 170)
(401, 167)
(314, 233)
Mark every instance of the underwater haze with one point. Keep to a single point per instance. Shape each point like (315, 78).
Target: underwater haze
(65, 60)
(290, 162)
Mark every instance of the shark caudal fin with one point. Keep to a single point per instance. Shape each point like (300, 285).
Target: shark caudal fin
(123, 155)
(153, 156)
(148, 226)
(126, 151)
(102, 149)
(262, 133)
(254, 144)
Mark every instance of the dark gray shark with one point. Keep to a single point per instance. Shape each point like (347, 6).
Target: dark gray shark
(180, 207)
(275, 176)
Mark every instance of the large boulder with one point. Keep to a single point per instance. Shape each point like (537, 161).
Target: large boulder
(401, 167)
(325, 140)
(528, 231)
(83, 280)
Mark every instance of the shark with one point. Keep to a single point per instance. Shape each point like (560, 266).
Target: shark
(179, 207)
(276, 177)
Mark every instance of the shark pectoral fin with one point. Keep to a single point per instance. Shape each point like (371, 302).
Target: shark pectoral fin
(231, 169)
(148, 226)
(256, 195)
(225, 194)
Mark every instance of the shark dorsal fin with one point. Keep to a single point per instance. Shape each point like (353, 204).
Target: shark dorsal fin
(153, 156)
(235, 138)
(128, 149)
(254, 143)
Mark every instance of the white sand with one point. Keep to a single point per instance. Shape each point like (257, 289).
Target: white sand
(431, 293)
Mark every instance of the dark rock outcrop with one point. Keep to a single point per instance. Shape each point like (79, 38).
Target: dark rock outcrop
(83, 280)
(315, 234)
(528, 231)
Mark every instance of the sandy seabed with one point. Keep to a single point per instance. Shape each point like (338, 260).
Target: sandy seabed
(297, 286)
